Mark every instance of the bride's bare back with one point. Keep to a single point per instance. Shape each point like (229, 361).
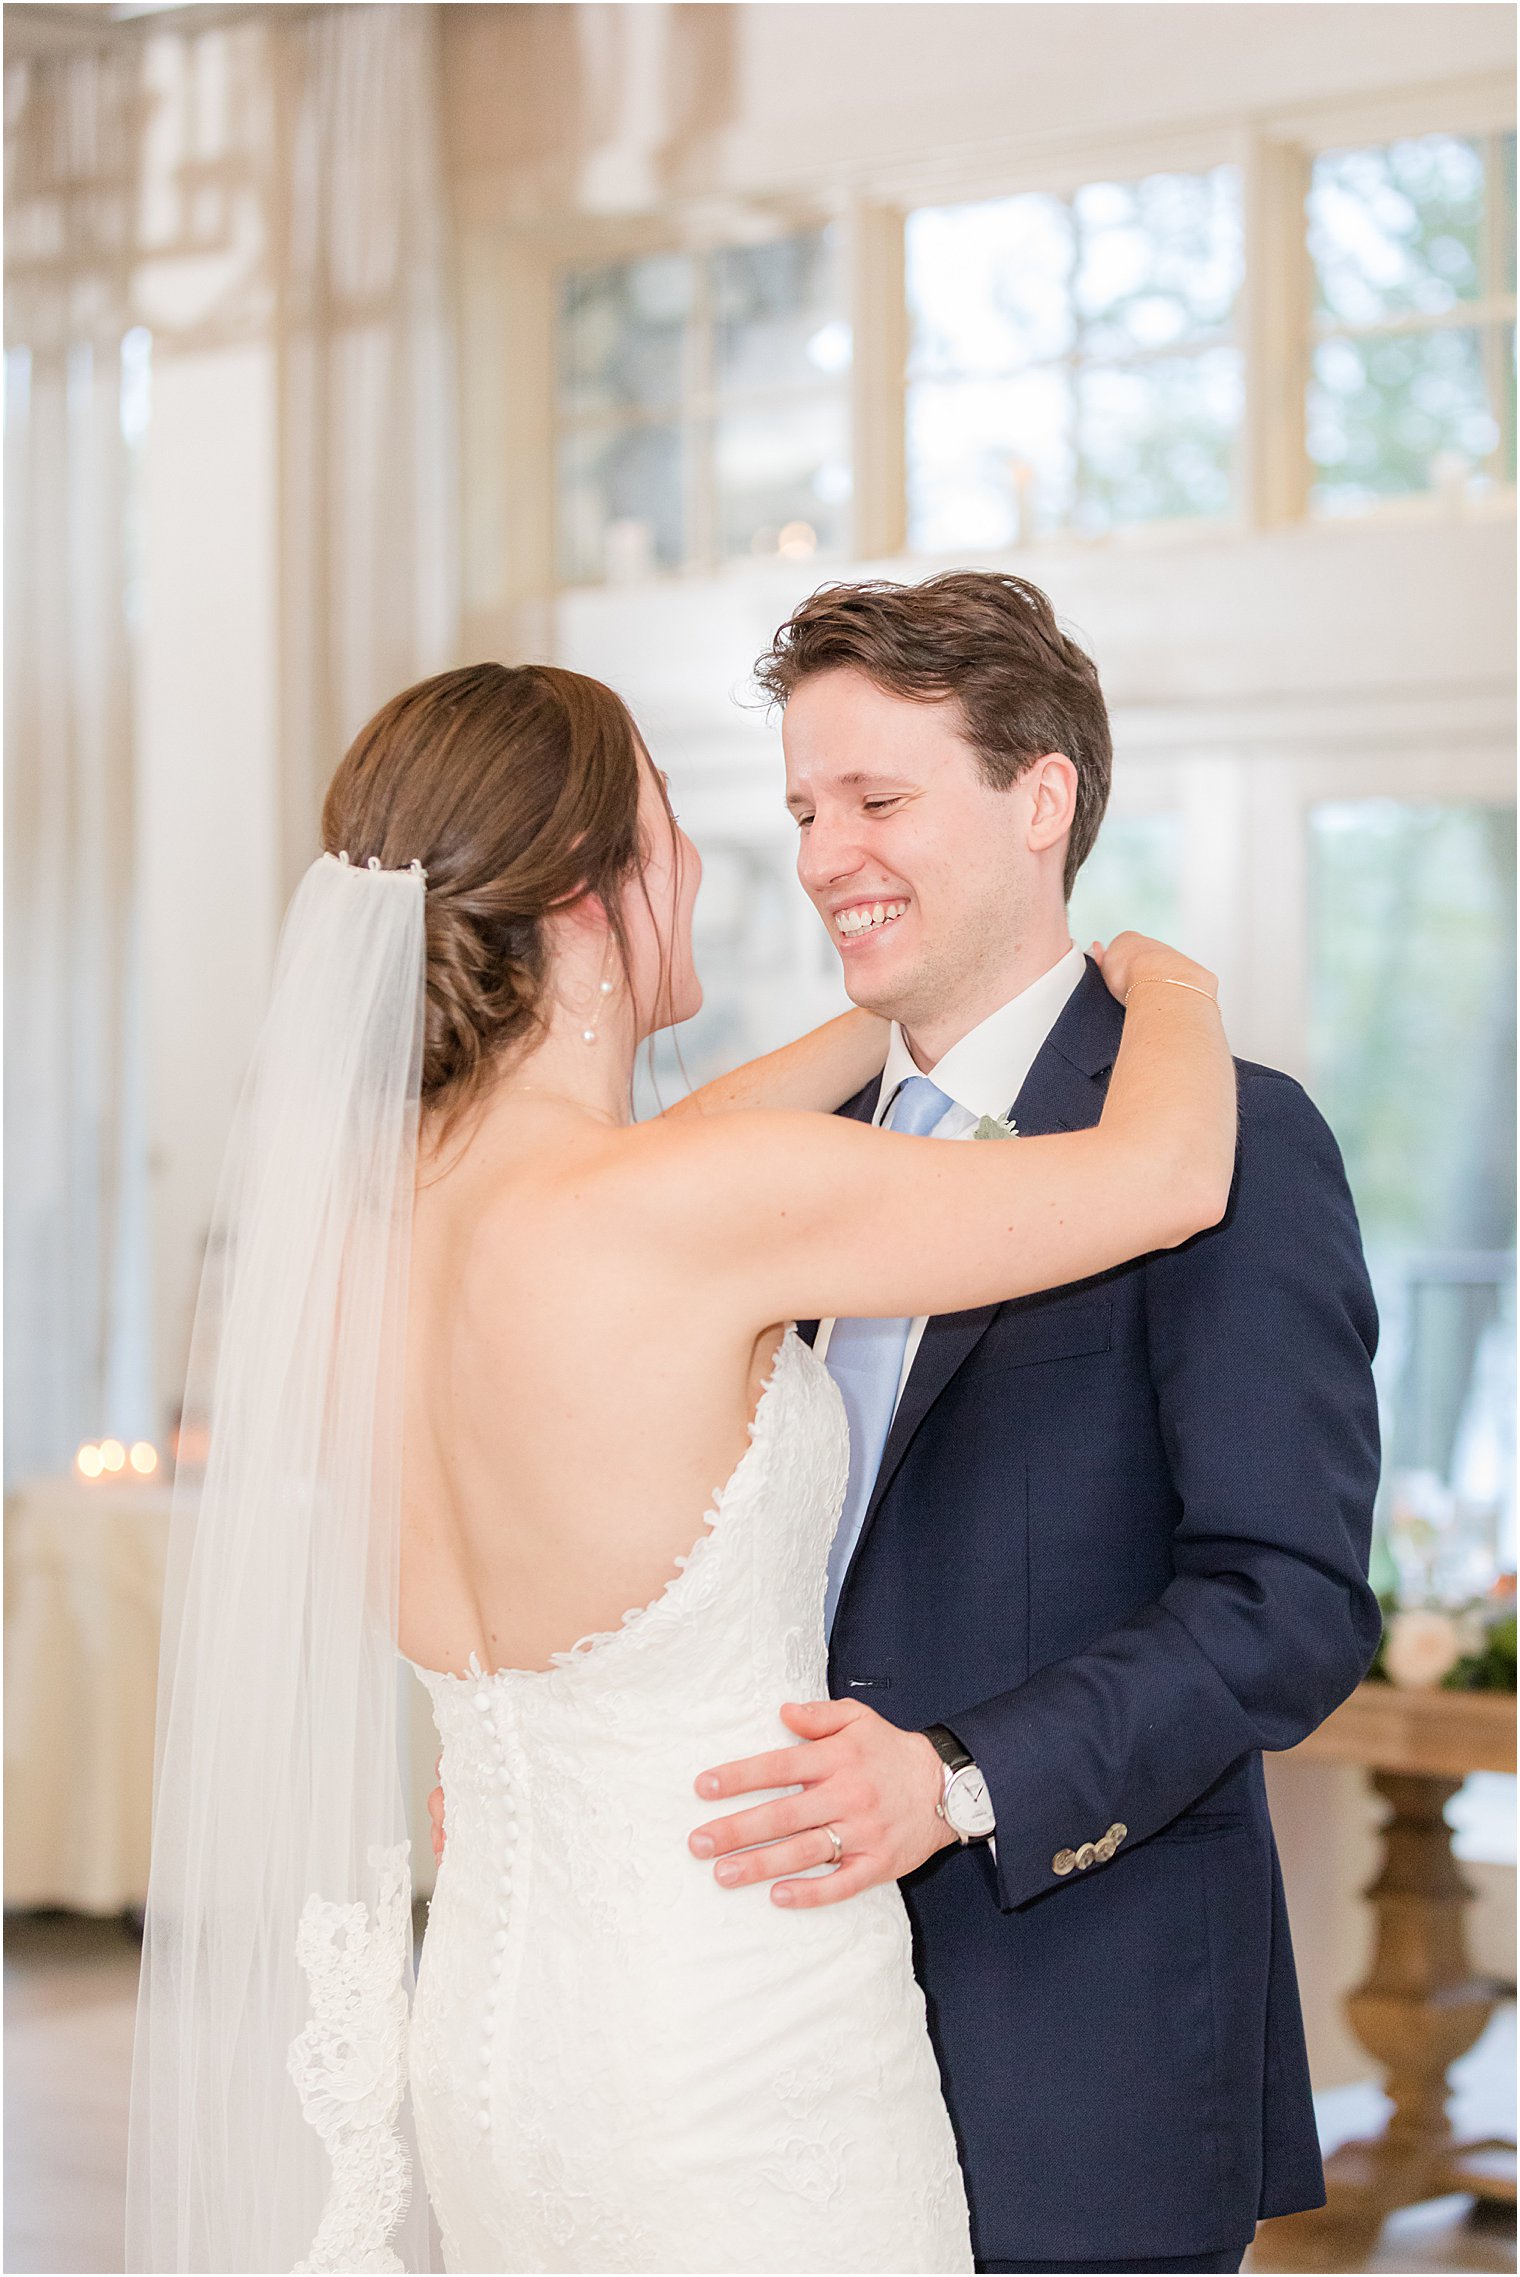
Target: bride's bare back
(572, 1403)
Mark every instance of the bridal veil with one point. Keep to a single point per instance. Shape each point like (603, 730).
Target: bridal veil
(269, 2128)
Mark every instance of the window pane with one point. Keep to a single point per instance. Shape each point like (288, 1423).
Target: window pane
(1413, 1052)
(1131, 880)
(1042, 392)
(1158, 261)
(1157, 441)
(779, 313)
(990, 462)
(989, 286)
(1395, 415)
(753, 996)
(783, 478)
(1412, 1017)
(622, 334)
(621, 503)
(1395, 231)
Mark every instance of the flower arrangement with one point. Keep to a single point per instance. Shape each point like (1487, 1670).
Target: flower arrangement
(1460, 1648)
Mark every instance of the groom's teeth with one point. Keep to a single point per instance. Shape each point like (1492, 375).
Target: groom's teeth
(868, 915)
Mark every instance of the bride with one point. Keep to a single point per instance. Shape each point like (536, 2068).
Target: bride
(472, 1351)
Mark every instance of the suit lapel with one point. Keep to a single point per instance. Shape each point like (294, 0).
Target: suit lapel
(1063, 1091)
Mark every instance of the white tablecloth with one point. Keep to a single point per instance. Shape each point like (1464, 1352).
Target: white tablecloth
(84, 1580)
(84, 1573)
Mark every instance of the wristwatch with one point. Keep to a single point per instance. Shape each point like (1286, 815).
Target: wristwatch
(965, 1806)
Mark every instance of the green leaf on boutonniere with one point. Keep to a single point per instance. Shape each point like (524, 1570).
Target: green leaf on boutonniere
(994, 1126)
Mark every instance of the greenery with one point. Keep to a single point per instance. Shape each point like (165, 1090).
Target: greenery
(1489, 1666)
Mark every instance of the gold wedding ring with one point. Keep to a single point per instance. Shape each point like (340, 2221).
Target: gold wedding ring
(833, 1835)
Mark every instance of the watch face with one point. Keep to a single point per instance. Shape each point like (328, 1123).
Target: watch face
(968, 1806)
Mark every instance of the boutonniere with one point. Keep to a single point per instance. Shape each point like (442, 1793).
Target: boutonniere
(996, 1126)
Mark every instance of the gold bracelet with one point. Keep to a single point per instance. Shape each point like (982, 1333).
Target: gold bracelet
(1164, 980)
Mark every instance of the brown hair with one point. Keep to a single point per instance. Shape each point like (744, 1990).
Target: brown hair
(517, 788)
(988, 639)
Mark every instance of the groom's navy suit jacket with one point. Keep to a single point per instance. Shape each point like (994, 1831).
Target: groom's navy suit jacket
(1118, 1543)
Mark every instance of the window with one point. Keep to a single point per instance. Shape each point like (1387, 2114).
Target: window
(703, 409)
(1072, 365)
(1411, 382)
(768, 970)
(1132, 880)
(1412, 1045)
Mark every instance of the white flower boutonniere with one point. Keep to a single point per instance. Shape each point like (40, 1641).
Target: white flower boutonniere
(996, 1126)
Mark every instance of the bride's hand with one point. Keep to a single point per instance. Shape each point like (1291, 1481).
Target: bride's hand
(1133, 957)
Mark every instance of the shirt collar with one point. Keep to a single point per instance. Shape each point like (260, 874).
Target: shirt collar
(985, 1071)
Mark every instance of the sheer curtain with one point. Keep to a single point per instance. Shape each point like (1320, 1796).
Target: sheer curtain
(75, 1360)
(368, 475)
(330, 127)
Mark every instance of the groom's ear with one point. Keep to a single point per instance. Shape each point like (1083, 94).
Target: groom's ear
(1050, 783)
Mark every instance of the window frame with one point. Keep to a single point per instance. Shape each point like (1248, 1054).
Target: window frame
(511, 274)
(1489, 316)
(1064, 183)
(1281, 283)
(701, 402)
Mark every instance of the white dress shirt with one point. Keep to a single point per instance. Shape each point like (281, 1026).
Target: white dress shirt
(981, 1075)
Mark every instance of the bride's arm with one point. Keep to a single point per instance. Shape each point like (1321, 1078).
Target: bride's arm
(814, 1075)
(814, 1215)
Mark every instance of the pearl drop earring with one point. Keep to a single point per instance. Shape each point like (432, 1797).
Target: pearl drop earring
(588, 1035)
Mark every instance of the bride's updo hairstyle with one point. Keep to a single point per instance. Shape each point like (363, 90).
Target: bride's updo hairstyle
(517, 788)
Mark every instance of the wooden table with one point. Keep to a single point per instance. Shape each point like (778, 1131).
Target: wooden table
(1422, 2005)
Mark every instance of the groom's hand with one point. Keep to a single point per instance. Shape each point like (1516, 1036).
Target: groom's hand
(878, 1788)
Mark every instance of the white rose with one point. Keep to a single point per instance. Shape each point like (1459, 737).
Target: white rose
(1422, 1647)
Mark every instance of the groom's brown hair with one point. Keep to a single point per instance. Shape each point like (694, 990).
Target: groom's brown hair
(986, 638)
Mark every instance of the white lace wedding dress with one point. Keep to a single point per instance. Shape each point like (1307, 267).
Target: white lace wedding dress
(616, 2064)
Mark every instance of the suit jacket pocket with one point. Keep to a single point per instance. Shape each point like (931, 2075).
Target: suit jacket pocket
(1049, 1327)
(1203, 1826)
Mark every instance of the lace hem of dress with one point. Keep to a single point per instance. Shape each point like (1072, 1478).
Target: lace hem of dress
(349, 2066)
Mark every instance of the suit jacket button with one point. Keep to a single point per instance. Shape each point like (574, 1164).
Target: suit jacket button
(1063, 1861)
(1116, 1833)
(1106, 1848)
(1085, 1856)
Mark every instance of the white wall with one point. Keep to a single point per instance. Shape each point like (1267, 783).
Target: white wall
(556, 110)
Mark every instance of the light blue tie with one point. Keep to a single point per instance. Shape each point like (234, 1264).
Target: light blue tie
(865, 1359)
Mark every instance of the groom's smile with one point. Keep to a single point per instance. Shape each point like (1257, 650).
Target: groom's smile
(858, 921)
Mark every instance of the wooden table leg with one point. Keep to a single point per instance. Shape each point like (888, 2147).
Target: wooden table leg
(1419, 2010)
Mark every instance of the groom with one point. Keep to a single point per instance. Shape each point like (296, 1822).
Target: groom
(1100, 1546)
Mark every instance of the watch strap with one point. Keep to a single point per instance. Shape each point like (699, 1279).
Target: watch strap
(947, 1747)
